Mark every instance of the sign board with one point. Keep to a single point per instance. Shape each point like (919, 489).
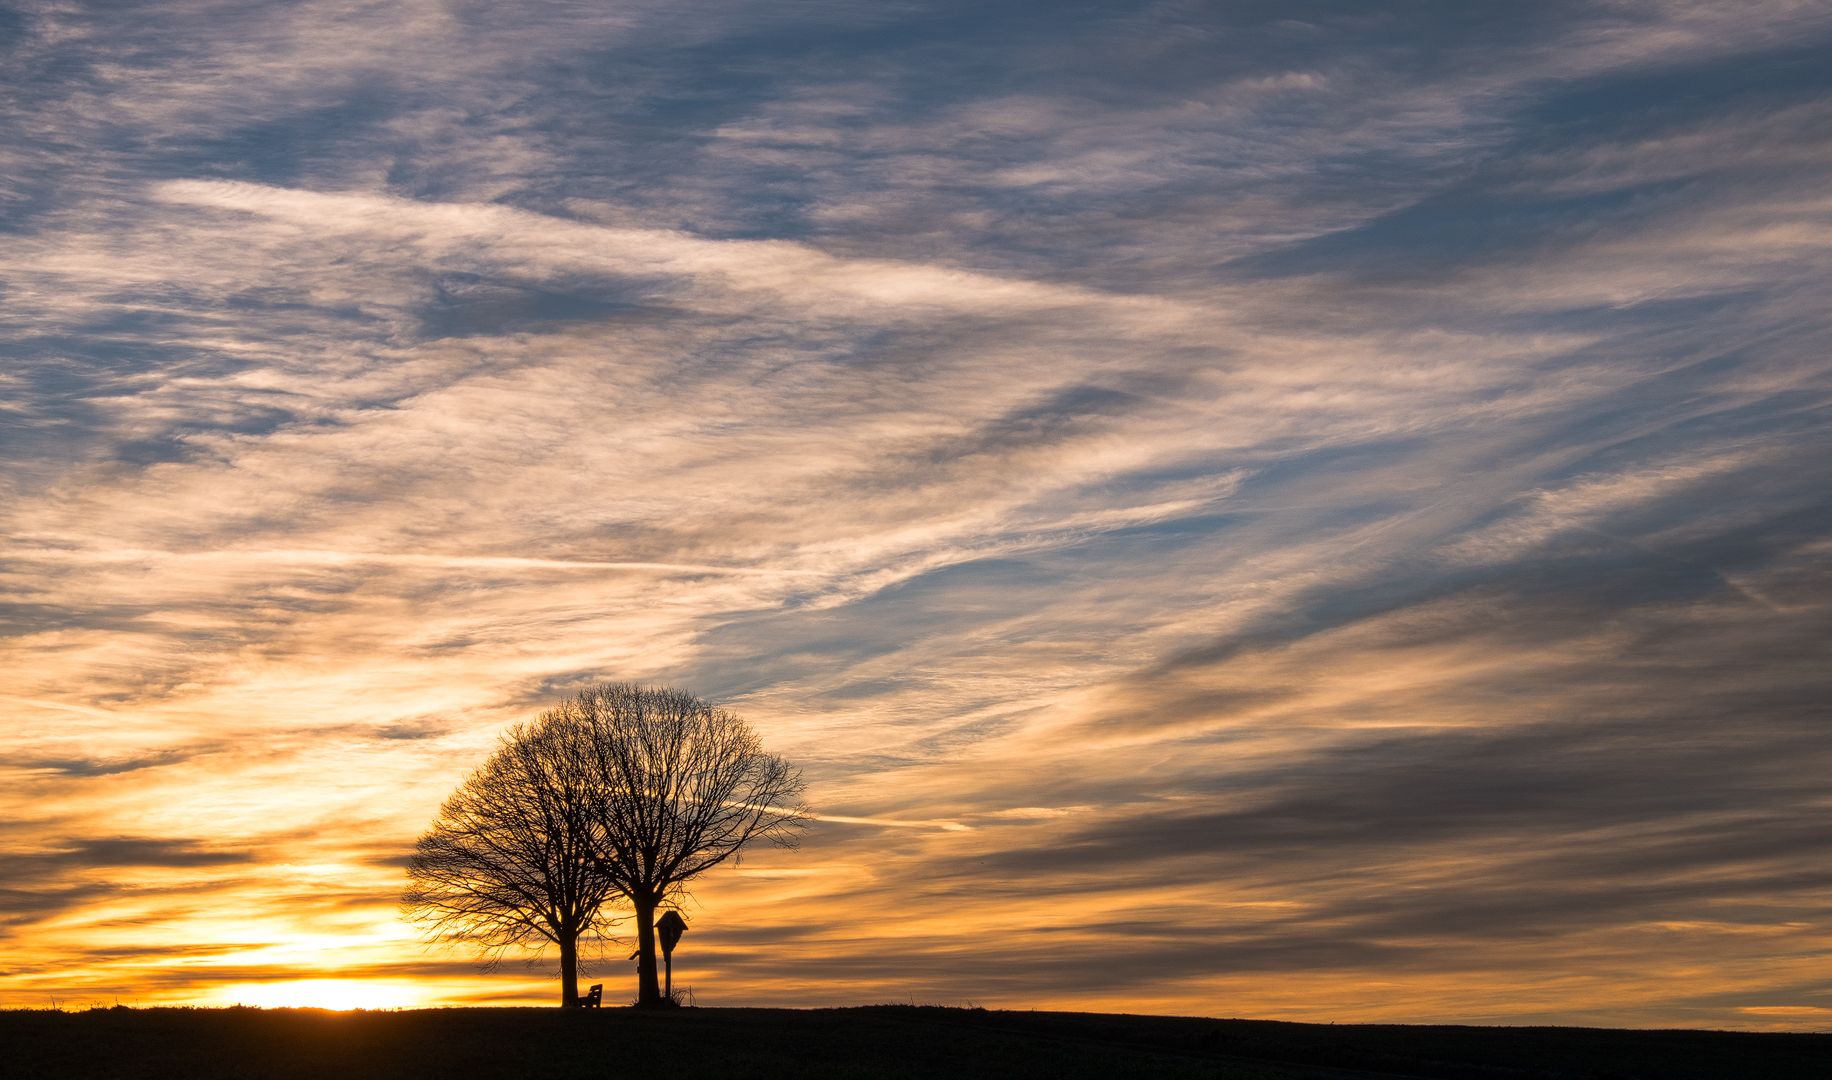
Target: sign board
(670, 926)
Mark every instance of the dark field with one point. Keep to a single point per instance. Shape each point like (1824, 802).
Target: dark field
(892, 1041)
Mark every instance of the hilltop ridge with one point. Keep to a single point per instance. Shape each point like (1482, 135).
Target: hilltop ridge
(897, 1042)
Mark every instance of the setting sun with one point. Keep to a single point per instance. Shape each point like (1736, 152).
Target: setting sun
(336, 994)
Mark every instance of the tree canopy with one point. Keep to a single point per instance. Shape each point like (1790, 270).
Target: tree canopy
(510, 858)
(621, 790)
(682, 786)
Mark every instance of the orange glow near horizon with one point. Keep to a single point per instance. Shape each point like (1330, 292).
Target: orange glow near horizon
(281, 891)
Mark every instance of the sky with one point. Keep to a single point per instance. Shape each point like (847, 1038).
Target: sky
(1308, 510)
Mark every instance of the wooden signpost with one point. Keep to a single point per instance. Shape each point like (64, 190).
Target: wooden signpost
(670, 926)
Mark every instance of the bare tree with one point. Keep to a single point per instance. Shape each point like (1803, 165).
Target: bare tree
(681, 786)
(510, 859)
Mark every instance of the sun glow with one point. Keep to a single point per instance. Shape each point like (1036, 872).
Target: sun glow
(337, 994)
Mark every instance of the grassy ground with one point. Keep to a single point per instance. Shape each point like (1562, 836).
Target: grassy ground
(888, 1041)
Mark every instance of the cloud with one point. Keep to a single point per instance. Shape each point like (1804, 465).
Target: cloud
(125, 851)
(90, 767)
(948, 826)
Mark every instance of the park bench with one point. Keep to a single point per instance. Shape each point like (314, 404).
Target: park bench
(591, 1000)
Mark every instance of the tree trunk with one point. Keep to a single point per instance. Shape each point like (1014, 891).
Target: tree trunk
(569, 971)
(648, 988)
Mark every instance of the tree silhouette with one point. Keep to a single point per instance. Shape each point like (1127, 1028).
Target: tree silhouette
(679, 787)
(510, 858)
